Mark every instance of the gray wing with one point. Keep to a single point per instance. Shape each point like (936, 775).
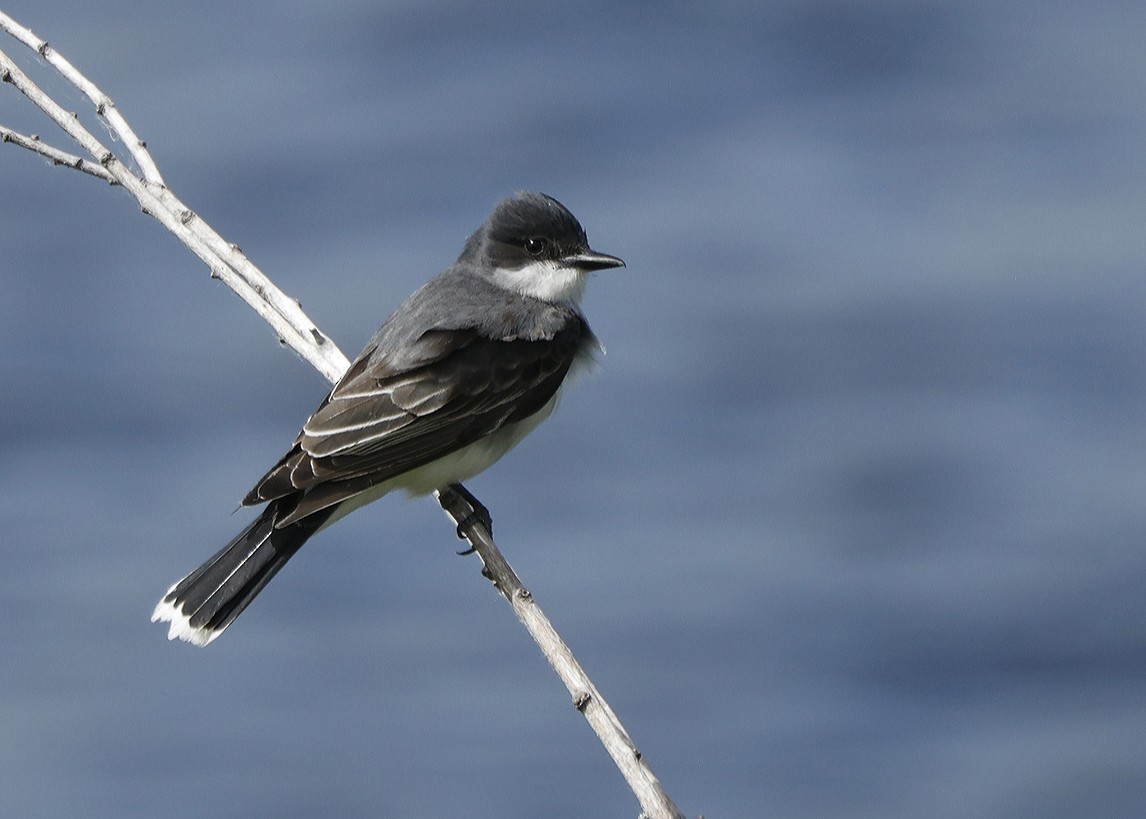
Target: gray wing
(453, 388)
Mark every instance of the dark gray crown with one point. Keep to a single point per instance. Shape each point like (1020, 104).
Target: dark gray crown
(535, 215)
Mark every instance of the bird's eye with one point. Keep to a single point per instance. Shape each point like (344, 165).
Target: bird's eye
(535, 247)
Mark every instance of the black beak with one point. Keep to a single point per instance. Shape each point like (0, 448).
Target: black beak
(592, 260)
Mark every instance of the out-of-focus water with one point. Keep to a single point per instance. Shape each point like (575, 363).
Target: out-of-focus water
(849, 522)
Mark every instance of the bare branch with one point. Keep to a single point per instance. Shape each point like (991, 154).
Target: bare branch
(225, 260)
(586, 698)
(55, 155)
(104, 106)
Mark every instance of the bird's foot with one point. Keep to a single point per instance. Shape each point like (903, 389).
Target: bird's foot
(479, 515)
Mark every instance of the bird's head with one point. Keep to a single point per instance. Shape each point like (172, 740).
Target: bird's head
(531, 244)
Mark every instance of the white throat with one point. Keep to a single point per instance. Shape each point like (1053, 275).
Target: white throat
(546, 280)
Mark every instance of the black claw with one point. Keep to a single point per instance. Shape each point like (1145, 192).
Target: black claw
(479, 515)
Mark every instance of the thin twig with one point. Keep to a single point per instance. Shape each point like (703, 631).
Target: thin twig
(586, 698)
(55, 155)
(105, 108)
(297, 331)
(225, 260)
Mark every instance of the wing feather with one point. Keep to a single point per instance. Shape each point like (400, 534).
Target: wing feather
(453, 389)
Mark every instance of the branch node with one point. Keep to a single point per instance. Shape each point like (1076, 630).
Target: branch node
(581, 700)
(105, 158)
(186, 215)
(43, 48)
(525, 594)
(317, 335)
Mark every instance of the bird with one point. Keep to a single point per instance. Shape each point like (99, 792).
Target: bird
(463, 370)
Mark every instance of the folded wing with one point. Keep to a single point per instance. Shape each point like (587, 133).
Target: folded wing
(383, 419)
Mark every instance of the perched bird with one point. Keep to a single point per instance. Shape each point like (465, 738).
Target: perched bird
(456, 377)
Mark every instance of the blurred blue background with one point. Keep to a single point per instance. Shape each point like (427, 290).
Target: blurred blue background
(850, 522)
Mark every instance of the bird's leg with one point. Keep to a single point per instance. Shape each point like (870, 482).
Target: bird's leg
(479, 515)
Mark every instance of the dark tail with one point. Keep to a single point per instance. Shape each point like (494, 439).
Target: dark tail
(208, 600)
